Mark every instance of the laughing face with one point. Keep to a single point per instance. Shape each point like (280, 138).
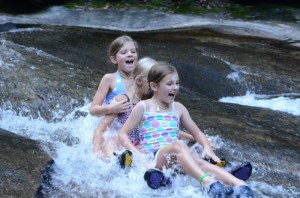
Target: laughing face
(168, 87)
(126, 58)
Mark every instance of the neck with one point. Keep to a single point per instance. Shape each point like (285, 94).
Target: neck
(125, 76)
(160, 106)
(136, 98)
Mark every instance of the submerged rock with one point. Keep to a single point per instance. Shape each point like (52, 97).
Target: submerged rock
(21, 165)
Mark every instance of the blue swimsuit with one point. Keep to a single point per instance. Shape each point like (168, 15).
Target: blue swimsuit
(119, 89)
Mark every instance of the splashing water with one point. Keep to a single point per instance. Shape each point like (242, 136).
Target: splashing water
(289, 103)
(78, 173)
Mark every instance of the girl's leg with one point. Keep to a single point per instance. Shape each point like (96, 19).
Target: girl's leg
(185, 159)
(98, 141)
(109, 147)
(219, 173)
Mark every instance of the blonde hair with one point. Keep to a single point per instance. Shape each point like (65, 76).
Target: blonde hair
(142, 69)
(119, 42)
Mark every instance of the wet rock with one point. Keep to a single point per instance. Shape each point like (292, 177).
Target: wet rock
(21, 165)
(7, 26)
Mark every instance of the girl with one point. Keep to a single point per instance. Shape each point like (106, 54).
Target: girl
(105, 141)
(123, 54)
(158, 119)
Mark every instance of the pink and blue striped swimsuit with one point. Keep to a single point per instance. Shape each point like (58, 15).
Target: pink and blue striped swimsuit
(158, 130)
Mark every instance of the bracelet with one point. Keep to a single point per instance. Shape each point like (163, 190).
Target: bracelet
(202, 177)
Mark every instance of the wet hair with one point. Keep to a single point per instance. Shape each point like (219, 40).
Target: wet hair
(143, 66)
(158, 72)
(142, 69)
(119, 42)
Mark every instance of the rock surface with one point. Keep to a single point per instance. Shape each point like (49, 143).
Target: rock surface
(271, 134)
(21, 165)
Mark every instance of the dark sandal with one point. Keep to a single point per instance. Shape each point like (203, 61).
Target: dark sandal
(156, 178)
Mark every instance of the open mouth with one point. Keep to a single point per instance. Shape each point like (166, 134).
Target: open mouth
(129, 61)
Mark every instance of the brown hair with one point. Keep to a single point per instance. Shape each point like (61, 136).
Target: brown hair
(158, 72)
(118, 43)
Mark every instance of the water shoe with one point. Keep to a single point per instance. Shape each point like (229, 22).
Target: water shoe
(125, 159)
(242, 171)
(244, 191)
(220, 164)
(218, 190)
(156, 178)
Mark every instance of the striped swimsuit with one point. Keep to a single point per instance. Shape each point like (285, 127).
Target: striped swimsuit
(158, 130)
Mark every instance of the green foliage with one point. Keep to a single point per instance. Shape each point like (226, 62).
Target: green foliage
(175, 6)
(262, 12)
(238, 11)
(235, 10)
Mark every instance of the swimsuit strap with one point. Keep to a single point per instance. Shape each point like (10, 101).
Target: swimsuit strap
(118, 74)
(128, 100)
(144, 105)
(173, 106)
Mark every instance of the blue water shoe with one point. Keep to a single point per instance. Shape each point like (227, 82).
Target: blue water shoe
(244, 191)
(218, 190)
(156, 178)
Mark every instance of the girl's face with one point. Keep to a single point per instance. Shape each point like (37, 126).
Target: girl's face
(168, 87)
(126, 58)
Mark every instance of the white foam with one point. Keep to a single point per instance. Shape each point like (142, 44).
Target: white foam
(78, 173)
(288, 102)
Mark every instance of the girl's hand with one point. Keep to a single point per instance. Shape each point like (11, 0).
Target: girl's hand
(119, 106)
(207, 151)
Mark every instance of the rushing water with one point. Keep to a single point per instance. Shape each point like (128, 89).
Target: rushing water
(289, 103)
(67, 136)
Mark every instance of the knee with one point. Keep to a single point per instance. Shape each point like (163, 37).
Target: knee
(180, 146)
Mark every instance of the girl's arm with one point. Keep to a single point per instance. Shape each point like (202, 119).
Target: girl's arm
(109, 118)
(199, 136)
(185, 135)
(97, 109)
(132, 121)
(106, 121)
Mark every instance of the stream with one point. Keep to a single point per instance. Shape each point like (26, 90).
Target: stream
(240, 80)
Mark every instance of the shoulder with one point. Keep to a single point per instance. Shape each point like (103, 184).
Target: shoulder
(180, 108)
(107, 80)
(138, 110)
(140, 104)
(109, 77)
(179, 105)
